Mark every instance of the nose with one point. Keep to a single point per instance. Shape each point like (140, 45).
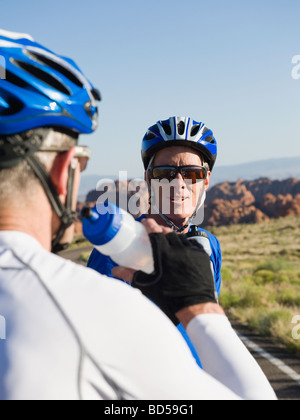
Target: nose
(180, 180)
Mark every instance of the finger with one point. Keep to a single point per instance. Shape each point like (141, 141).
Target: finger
(123, 273)
(166, 230)
(153, 227)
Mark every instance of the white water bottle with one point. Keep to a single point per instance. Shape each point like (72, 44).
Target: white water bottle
(115, 233)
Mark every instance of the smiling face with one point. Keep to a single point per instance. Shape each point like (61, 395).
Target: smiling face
(180, 201)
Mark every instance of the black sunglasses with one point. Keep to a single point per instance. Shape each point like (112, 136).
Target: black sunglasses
(193, 173)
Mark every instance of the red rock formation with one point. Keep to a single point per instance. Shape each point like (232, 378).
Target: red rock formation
(242, 201)
(252, 201)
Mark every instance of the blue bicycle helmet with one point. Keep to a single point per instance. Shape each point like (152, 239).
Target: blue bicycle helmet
(41, 89)
(180, 131)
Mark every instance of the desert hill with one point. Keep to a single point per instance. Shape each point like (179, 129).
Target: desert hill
(252, 201)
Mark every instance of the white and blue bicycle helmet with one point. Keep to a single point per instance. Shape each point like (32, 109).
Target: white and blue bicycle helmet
(180, 131)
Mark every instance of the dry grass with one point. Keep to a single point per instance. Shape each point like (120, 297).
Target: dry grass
(84, 257)
(261, 276)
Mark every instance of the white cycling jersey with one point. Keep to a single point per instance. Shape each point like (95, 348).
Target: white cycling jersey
(73, 334)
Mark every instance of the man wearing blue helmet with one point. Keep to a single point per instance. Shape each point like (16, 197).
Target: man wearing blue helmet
(180, 149)
(182, 152)
(68, 330)
(45, 103)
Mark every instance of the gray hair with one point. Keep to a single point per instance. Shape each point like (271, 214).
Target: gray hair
(20, 181)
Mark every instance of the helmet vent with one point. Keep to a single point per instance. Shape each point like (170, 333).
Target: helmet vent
(12, 78)
(150, 136)
(55, 66)
(167, 129)
(195, 130)
(42, 76)
(181, 128)
(13, 105)
(210, 139)
(96, 94)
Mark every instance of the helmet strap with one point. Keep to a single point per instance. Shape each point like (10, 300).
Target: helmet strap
(169, 222)
(199, 205)
(166, 219)
(64, 212)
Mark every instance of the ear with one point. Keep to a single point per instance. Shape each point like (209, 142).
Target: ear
(207, 180)
(60, 170)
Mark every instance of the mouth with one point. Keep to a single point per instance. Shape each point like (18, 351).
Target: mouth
(178, 199)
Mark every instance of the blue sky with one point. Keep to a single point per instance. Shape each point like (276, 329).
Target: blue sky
(226, 63)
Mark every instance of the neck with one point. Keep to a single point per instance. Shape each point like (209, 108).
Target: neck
(31, 219)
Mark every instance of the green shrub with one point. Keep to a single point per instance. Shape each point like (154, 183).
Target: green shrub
(226, 275)
(264, 276)
(289, 297)
(85, 256)
(274, 265)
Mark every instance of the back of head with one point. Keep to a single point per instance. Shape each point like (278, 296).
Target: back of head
(20, 180)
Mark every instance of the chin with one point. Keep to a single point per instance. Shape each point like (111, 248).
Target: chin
(178, 218)
(181, 212)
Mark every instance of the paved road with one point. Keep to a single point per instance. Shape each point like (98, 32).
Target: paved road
(285, 387)
(74, 254)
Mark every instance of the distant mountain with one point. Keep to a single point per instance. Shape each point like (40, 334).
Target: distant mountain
(273, 169)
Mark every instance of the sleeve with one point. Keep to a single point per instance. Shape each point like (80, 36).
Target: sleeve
(226, 359)
(101, 263)
(137, 348)
(217, 262)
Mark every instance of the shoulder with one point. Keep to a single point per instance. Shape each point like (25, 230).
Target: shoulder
(212, 238)
(214, 245)
(75, 286)
(215, 255)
